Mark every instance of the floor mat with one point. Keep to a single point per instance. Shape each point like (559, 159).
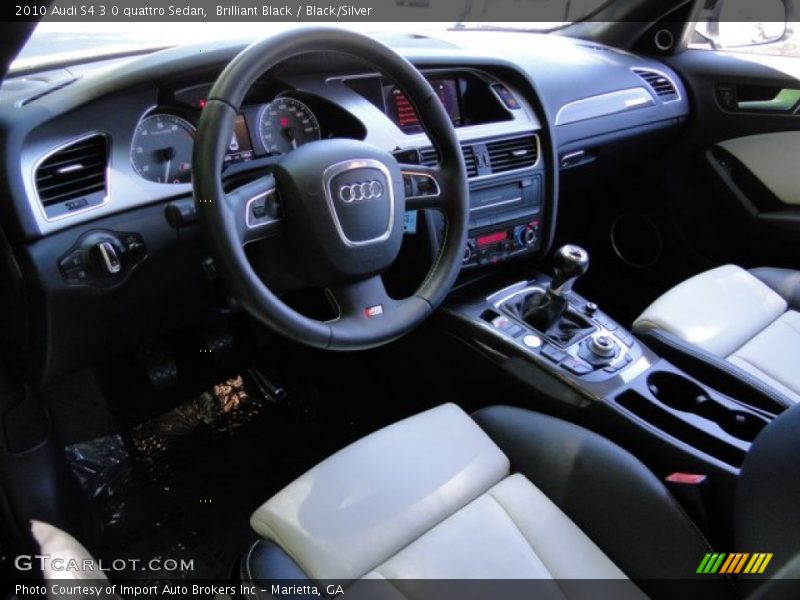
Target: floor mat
(183, 485)
(183, 482)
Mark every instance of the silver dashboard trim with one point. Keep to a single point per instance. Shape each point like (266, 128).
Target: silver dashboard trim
(604, 105)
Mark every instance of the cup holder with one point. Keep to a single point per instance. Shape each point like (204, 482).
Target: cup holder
(684, 395)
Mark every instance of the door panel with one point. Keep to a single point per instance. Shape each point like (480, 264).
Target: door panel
(736, 179)
(774, 158)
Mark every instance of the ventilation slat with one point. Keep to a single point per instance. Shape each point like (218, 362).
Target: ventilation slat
(74, 171)
(662, 86)
(430, 157)
(511, 154)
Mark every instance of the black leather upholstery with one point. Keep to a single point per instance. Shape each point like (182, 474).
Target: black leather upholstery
(784, 282)
(716, 372)
(626, 510)
(608, 493)
(768, 493)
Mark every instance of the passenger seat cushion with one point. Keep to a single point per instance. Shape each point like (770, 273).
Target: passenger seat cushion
(773, 356)
(718, 311)
(608, 493)
(513, 531)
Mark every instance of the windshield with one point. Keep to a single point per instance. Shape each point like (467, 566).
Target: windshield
(62, 41)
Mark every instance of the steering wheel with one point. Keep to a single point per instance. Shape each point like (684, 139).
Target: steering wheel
(339, 204)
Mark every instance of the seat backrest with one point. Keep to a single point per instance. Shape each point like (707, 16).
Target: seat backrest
(768, 495)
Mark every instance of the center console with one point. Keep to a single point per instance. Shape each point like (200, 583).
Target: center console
(550, 331)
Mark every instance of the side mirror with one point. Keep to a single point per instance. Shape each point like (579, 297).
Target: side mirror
(741, 23)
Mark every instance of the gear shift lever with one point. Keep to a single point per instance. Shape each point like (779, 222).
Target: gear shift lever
(546, 310)
(569, 263)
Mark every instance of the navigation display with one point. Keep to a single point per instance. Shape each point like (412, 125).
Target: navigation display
(400, 110)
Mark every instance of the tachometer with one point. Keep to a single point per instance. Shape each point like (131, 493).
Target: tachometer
(286, 123)
(162, 148)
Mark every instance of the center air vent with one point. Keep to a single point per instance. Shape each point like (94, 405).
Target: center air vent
(511, 154)
(662, 85)
(73, 177)
(492, 157)
(429, 157)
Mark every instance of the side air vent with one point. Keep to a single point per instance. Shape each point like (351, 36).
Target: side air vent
(662, 85)
(429, 157)
(514, 153)
(73, 177)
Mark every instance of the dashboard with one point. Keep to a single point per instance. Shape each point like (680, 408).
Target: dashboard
(97, 165)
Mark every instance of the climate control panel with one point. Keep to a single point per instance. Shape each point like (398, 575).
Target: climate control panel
(492, 246)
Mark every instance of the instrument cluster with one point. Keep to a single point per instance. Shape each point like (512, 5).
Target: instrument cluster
(163, 141)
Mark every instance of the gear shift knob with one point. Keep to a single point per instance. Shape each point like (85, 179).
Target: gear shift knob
(569, 263)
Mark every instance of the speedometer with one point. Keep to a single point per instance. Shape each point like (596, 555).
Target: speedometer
(286, 123)
(162, 148)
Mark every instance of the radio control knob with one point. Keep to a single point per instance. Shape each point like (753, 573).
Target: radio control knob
(469, 252)
(526, 235)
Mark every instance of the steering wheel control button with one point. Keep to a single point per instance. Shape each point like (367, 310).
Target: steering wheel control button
(420, 185)
(532, 341)
(554, 354)
(603, 346)
(263, 209)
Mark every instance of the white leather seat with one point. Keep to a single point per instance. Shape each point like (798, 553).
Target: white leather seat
(739, 317)
(459, 514)
(434, 498)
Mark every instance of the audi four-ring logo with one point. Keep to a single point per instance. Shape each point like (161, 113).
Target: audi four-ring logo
(356, 192)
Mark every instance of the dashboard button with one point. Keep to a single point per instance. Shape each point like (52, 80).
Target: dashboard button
(532, 341)
(576, 367)
(554, 354)
(515, 331)
(625, 337)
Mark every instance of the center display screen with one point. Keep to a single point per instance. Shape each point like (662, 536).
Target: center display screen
(402, 113)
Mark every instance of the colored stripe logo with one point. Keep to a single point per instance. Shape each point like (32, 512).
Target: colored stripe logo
(734, 563)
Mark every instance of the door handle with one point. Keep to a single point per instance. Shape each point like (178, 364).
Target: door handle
(786, 101)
